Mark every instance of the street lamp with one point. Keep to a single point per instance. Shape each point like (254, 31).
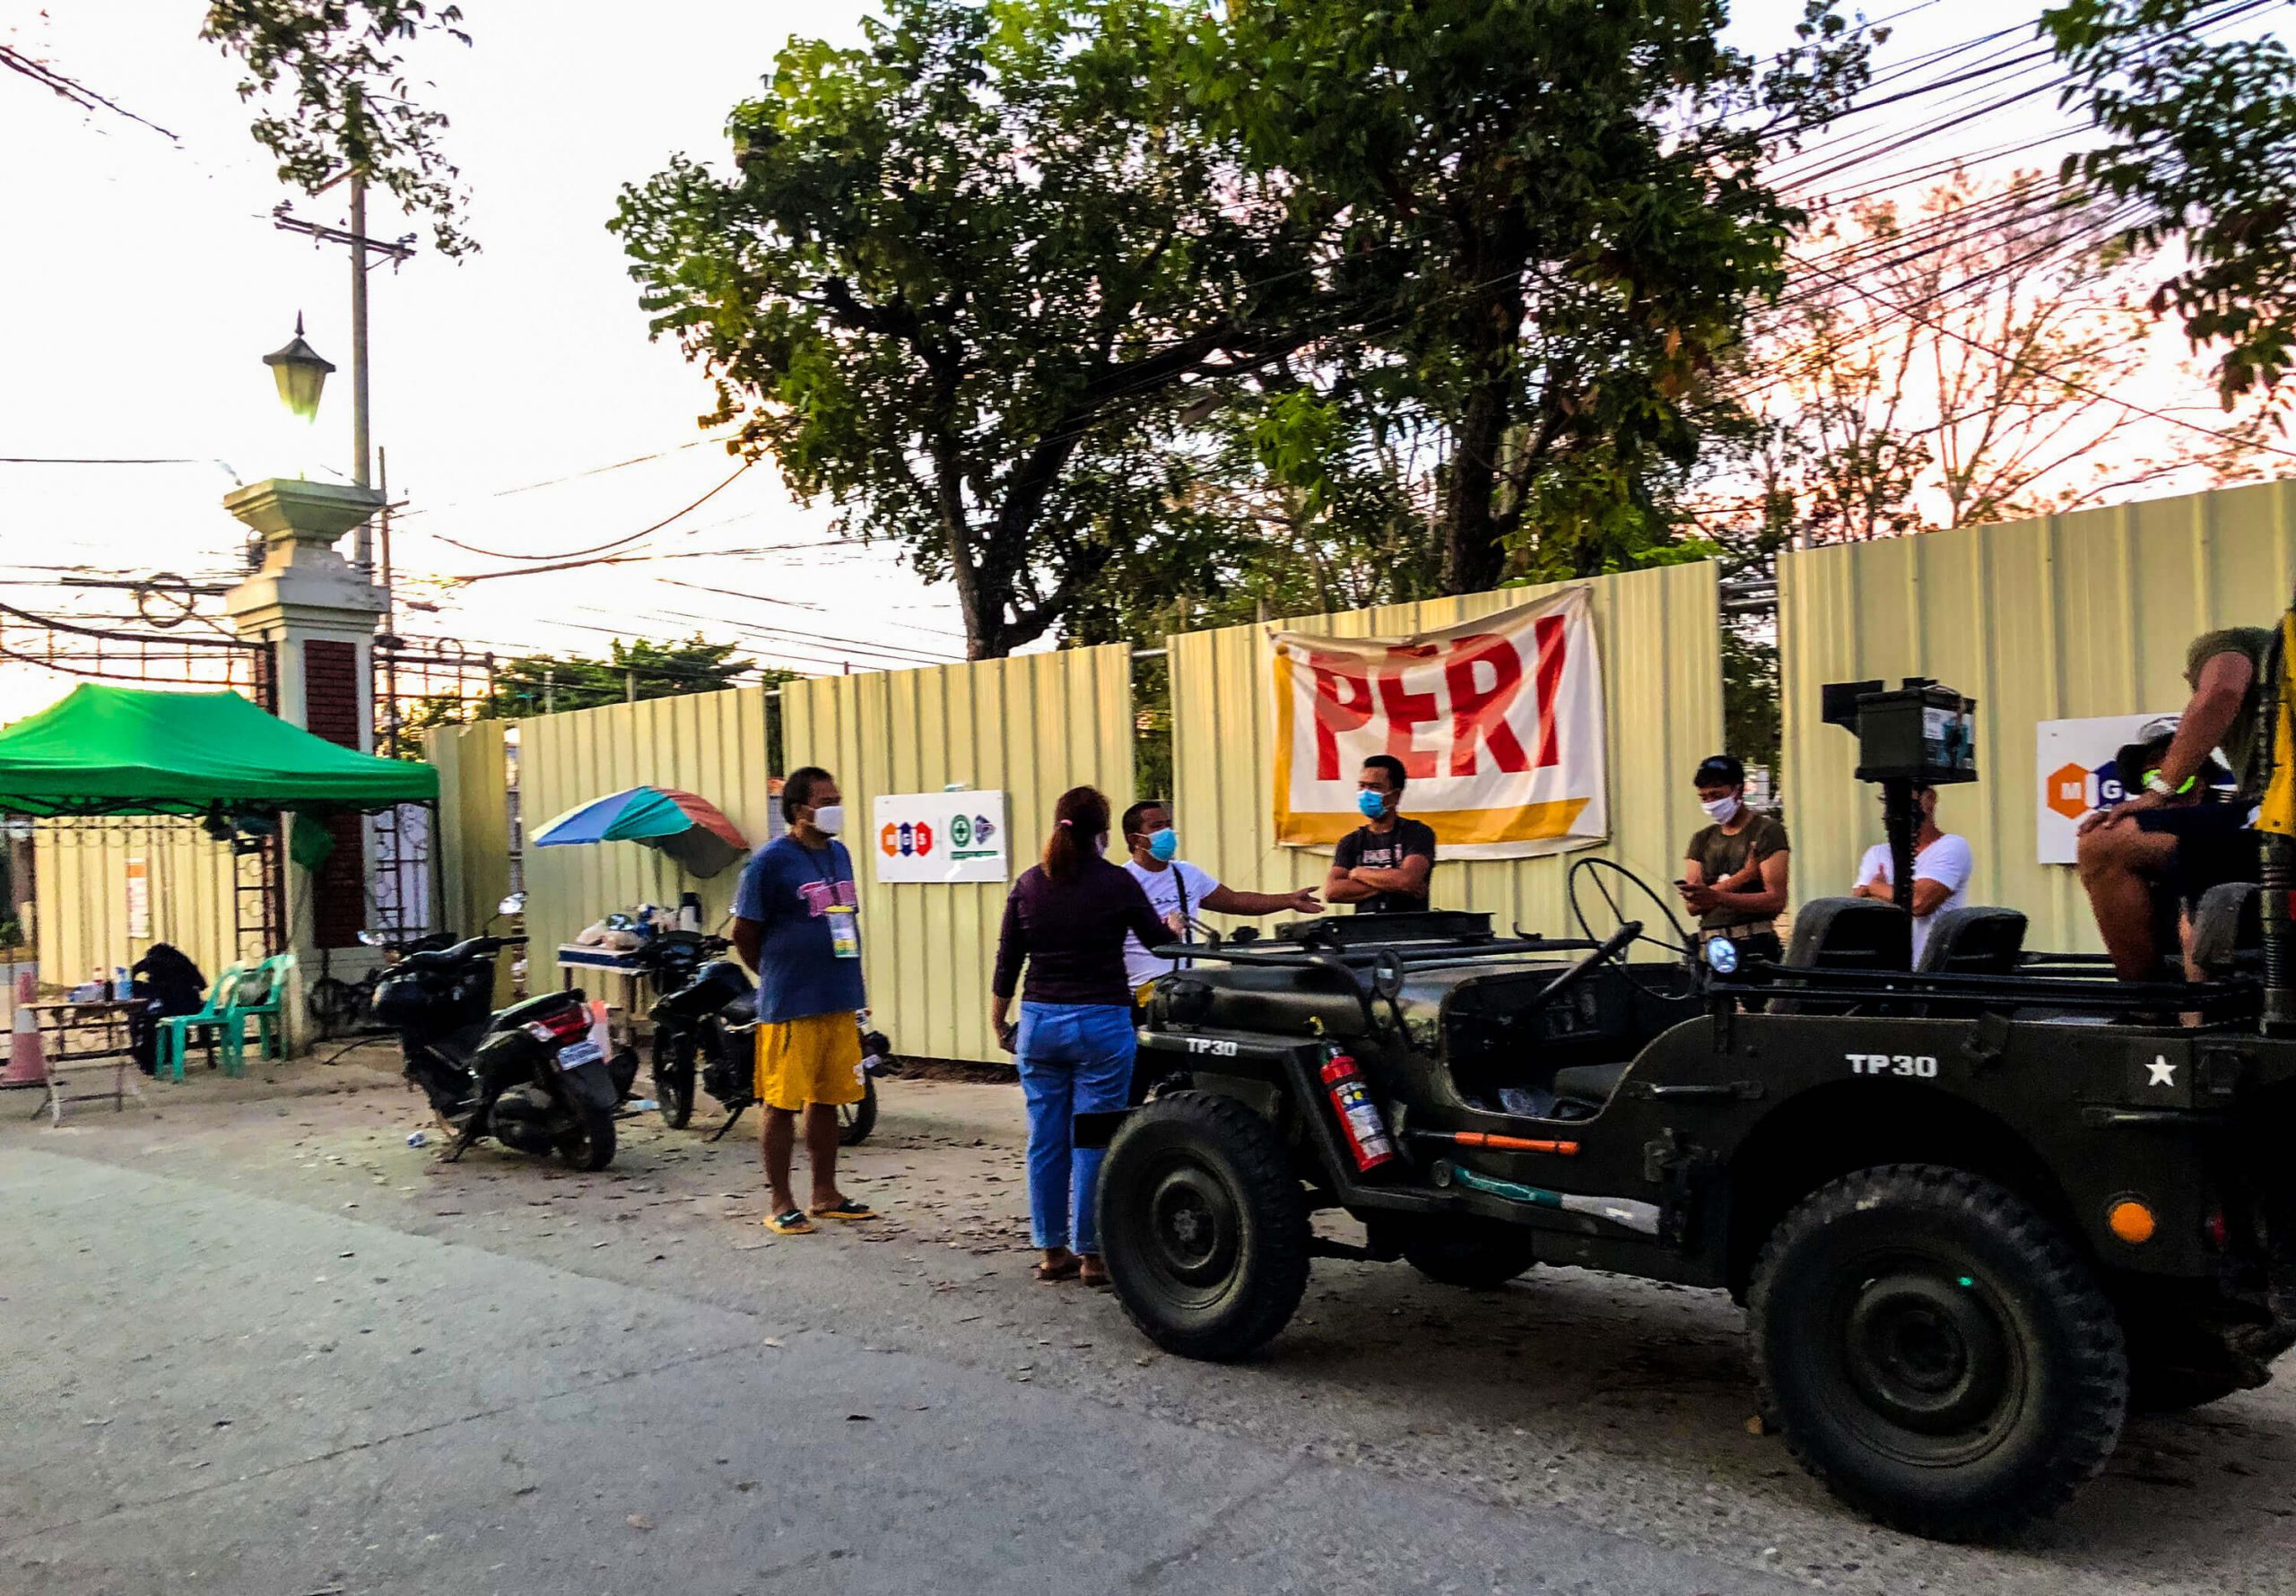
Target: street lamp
(300, 373)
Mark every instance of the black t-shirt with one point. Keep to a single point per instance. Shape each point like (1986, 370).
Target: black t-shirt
(1387, 850)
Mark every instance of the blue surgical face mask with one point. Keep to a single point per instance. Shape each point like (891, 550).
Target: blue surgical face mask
(1372, 804)
(1163, 843)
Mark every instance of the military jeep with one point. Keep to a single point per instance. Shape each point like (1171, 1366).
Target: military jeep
(1974, 1210)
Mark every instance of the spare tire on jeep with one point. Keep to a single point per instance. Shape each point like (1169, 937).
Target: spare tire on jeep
(1203, 1226)
(1935, 1351)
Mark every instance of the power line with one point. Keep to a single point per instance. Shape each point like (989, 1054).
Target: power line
(583, 554)
(571, 476)
(2065, 382)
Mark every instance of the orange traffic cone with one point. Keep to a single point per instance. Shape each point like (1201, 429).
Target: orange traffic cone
(27, 1064)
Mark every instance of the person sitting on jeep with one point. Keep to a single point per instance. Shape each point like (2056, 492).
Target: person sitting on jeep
(1382, 866)
(2152, 841)
(1735, 873)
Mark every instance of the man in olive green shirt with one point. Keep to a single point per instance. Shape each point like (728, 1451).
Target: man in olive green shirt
(2156, 840)
(1735, 872)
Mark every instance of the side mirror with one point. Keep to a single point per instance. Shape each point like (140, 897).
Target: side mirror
(516, 904)
(1387, 974)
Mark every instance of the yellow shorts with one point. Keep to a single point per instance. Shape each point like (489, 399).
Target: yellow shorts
(814, 1059)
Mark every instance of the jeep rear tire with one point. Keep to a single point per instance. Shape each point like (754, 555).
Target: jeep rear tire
(1935, 1352)
(1204, 1227)
(1474, 1254)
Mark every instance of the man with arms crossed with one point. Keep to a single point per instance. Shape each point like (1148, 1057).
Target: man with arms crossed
(1382, 866)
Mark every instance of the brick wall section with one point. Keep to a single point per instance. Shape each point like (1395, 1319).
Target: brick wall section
(331, 710)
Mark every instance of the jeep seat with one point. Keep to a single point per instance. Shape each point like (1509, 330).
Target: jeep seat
(2228, 922)
(1590, 1084)
(1974, 941)
(1844, 933)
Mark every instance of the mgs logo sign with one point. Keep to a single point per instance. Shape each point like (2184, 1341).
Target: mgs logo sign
(925, 837)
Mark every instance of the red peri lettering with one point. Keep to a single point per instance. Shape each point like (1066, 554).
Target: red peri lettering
(1343, 703)
(1407, 710)
(1479, 711)
(1554, 652)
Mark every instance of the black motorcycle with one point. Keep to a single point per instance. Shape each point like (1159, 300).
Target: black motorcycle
(707, 1026)
(530, 1076)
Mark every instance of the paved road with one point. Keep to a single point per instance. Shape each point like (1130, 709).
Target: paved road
(1398, 1436)
(211, 1391)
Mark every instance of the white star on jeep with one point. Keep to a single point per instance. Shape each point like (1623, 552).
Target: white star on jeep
(2163, 1072)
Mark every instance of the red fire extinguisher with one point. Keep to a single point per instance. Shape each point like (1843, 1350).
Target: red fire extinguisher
(1359, 1116)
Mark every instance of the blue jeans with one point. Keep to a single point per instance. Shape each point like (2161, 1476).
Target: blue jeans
(1075, 1058)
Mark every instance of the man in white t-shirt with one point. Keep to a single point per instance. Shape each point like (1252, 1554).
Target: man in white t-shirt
(1942, 867)
(1178, 892)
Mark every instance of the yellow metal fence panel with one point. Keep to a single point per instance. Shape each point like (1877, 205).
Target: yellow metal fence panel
(2064, 617)
(1658, 634)
(711, 744)
(473, 830)
(81, 895)
(1032, 726)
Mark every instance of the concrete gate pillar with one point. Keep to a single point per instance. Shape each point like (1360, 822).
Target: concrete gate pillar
(319, 614)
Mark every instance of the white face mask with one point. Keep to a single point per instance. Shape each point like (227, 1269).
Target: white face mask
(1719, 810)
(1101, 843)
(829, 818)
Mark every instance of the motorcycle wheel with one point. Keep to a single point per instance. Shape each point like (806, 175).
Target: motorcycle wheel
(591, 1147)
(674, 1079)
(855, 1121)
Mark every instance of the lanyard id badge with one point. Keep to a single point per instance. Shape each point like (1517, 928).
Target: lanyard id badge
(844, 935)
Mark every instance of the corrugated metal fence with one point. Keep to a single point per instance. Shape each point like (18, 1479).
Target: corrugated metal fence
(474, 830)
(83, 913)
(1658, 634)
(711, 744)
(2087, 614)
(1032, 726)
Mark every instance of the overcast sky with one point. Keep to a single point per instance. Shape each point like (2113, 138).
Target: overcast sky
(143, 280)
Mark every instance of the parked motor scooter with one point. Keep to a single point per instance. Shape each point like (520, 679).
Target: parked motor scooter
(531, 1077)
(711, 1022)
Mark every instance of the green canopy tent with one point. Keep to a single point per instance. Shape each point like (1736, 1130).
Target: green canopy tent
(111, 751)
(115, 750)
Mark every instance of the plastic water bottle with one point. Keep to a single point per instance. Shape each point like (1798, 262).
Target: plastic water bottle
(418, 1139)
(122, 987)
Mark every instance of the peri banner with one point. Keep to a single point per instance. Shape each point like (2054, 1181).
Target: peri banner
(1498, 722)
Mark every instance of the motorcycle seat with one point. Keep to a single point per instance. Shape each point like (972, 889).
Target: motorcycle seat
(742, 1009)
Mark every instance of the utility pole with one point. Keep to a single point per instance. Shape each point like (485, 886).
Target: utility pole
(365, 252)
(359, 446)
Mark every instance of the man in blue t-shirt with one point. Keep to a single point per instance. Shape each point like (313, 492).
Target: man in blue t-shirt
(795, 925)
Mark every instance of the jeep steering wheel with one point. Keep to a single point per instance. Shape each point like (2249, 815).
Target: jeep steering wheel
(1600, 873)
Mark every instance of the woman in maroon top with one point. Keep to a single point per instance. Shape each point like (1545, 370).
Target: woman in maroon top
(1066, 920)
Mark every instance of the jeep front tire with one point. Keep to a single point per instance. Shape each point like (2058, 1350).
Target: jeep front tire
(1204, 1227)
(1935, 1352)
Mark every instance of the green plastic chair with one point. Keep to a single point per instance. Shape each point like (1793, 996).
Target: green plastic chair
(176, 1029)
(271, 975)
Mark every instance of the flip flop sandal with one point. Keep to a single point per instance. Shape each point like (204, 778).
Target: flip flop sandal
(1096, 1278)
(1052, 1274)
(793, 1223)
(846, 1210)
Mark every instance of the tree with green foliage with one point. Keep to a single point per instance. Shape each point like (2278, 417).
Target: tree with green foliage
(961, 280)
(2202, 147)
(1555, 220)
(332, 80)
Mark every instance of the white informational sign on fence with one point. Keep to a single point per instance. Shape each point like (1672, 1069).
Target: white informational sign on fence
(2074, 762)
(139, 900)
(941, 837)
(1497, 722)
